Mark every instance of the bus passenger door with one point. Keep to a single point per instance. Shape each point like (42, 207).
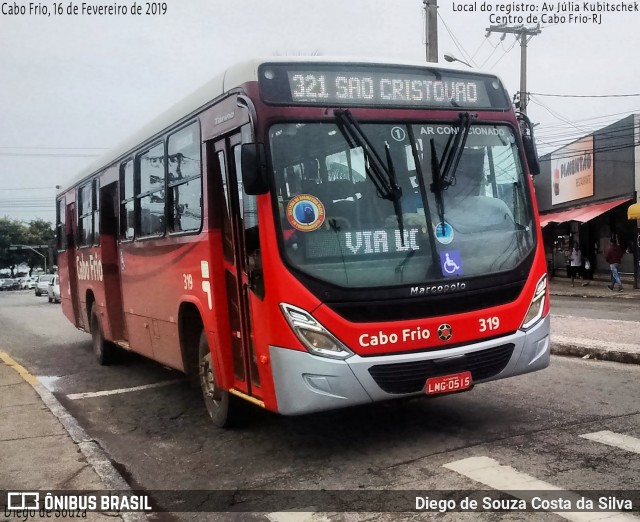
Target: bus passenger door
(239, 216)
(109, 253)
(71, 260)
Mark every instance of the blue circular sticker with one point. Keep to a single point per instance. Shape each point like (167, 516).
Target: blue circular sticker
(444, 233)
(305, 212)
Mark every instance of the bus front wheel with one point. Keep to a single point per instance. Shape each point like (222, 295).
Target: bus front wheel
(216, 399)
(102, 349)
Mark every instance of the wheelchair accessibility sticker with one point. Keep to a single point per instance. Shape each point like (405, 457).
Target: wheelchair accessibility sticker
(305, 213)
(451, 263)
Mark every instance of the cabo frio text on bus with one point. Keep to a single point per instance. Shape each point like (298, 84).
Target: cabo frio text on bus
(89, 269)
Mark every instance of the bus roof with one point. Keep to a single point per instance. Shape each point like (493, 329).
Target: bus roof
(230, 79)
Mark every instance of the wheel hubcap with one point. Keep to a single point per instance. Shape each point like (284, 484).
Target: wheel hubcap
(208, 380)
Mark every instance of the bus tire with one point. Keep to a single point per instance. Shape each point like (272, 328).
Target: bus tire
(102, 349)
(216, 399)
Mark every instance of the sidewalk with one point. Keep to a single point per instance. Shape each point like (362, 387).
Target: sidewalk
(42, 451)
(607, 340)
(596, 288)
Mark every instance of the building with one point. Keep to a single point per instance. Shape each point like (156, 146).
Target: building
(584, 191)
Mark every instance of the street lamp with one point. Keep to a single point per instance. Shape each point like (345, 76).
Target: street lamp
(451, 58)
(19, 247)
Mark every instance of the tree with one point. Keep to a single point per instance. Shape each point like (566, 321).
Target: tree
(40, 232)
(13, 232)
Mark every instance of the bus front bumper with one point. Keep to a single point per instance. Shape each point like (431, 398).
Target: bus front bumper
(306, 383)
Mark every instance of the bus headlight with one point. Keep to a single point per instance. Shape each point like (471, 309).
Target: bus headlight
(315, 337)
(536, 308)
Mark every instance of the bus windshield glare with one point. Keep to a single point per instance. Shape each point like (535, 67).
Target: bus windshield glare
(339, 225)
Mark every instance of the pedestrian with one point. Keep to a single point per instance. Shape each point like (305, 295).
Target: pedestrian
(614, 257)
(576, 264)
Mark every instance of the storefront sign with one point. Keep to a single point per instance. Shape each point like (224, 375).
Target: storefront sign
(572, 171)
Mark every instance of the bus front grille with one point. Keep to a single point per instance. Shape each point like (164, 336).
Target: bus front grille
(411, 377)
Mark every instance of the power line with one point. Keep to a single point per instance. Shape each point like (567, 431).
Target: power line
(31, 188)
(586, 95)
(55, 148)
(458, 45)
(48, 155)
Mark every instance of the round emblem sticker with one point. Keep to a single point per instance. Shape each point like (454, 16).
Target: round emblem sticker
(305, 212)
(444, 233)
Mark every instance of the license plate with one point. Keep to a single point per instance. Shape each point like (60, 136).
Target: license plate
(448, 383)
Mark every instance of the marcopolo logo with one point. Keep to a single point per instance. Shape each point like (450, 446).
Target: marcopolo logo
(437, 289)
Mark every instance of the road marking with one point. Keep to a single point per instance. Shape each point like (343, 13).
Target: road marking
(491, 473)
(76, 396)
(617, 440)
(48, 380)
(18, 368)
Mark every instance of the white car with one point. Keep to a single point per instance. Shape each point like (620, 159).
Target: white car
(27, 283)
(53, 290)
(42, 285)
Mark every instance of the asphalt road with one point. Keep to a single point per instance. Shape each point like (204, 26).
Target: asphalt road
(160, 438)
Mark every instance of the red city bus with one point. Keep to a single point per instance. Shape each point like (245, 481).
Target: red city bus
(315, 234)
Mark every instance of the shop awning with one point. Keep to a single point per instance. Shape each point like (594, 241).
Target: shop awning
(633, 212)
(583, 214)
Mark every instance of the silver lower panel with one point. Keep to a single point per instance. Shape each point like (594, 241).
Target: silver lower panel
(306, 383)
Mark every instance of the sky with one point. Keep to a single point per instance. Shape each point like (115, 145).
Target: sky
(73, 86)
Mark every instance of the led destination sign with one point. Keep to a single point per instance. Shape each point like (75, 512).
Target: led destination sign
(340, 84)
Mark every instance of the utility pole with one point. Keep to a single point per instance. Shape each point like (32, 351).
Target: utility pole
(523, 34)
(431, 29)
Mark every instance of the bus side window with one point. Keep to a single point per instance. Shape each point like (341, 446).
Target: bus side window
(127, 200)
(85, 215)
(184, 179)
(61, 231)
(151, 193)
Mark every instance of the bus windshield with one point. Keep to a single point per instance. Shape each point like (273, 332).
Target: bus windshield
(341, 224)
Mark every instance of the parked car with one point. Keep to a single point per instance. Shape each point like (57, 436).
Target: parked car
(42, 285)
(53, 290)
(9, 284)
(24, 282)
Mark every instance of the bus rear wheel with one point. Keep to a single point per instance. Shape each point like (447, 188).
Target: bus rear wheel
(216, 399)
(102, 349)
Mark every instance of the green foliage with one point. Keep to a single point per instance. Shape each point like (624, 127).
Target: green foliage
(35, 234)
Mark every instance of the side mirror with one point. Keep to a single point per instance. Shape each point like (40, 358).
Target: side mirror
(528, 141)
(531, 154)
(254, 169)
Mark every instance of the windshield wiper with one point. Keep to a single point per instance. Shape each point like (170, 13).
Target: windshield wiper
(382, 176)
(444, 170)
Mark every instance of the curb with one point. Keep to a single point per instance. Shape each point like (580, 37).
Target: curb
(609, 295)
(92, 451)
(574, 349)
